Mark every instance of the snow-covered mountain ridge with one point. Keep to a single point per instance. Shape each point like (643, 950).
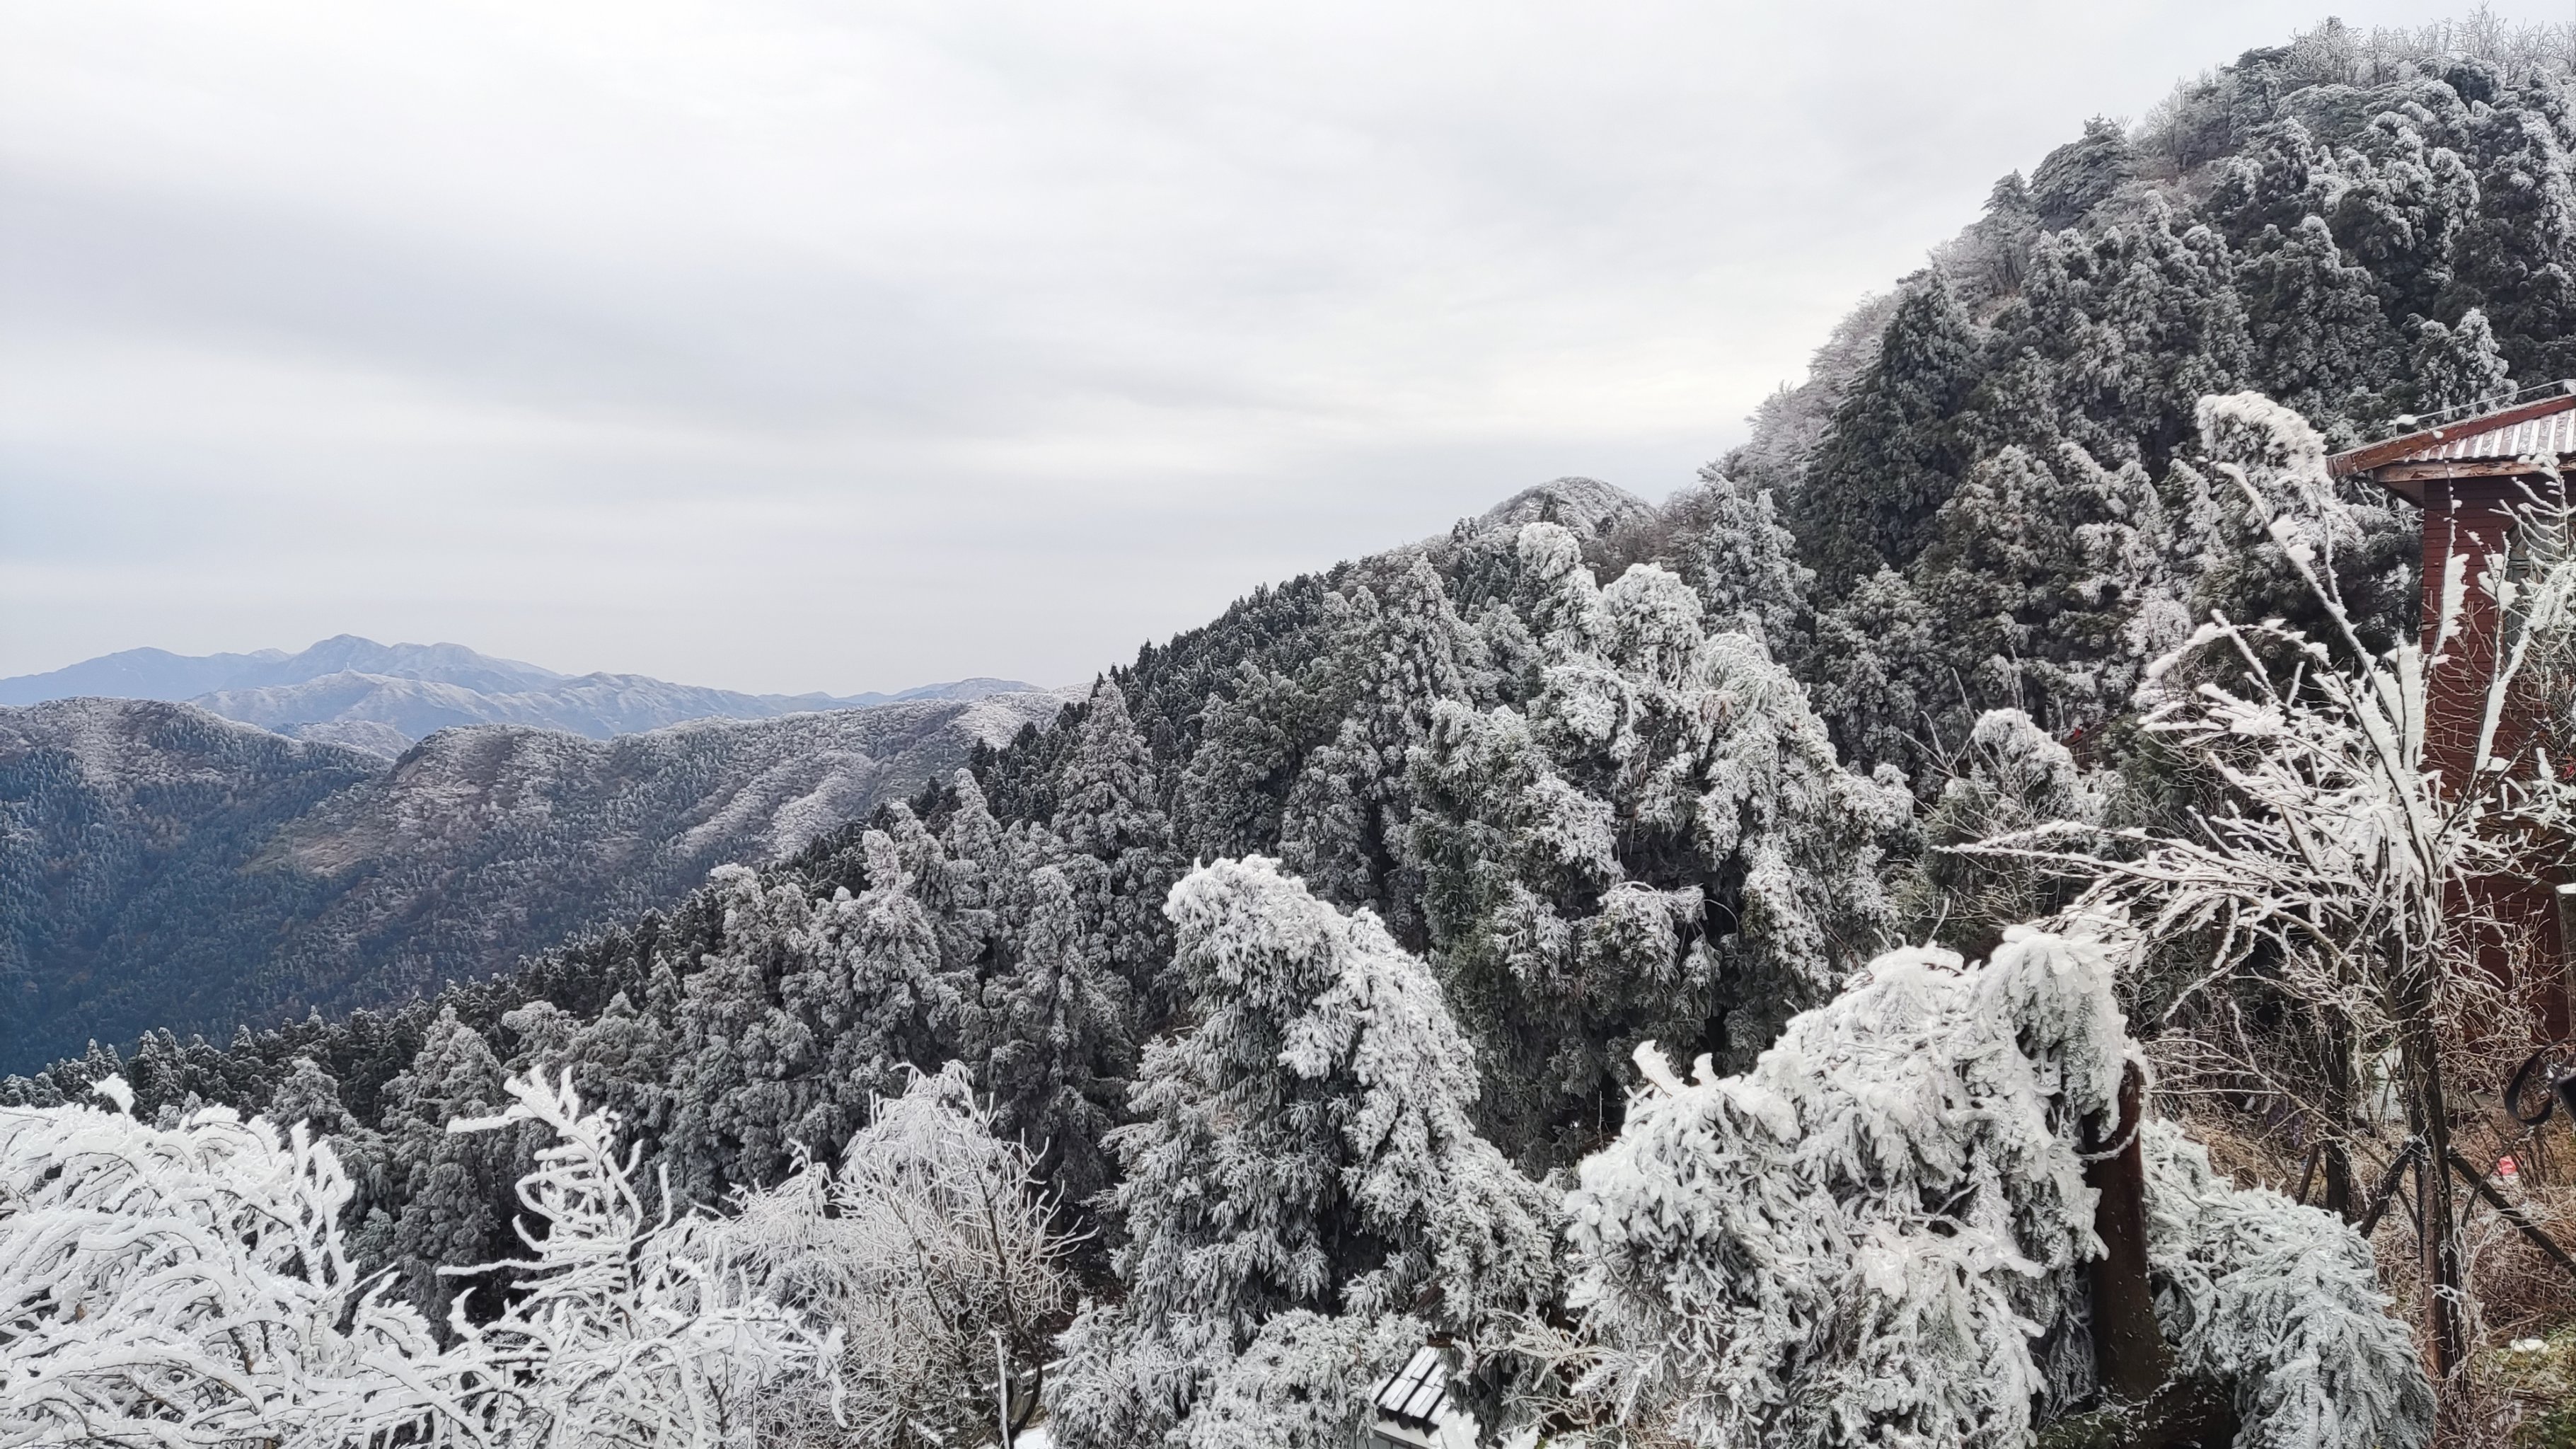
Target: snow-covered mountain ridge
(159, 863)
(381, 698)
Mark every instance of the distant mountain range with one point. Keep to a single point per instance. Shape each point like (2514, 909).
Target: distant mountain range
(162, 866)
(383, 698)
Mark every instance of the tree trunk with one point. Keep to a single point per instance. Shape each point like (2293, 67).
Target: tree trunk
(2343, 1080)
(2339, 1198)
(2149, 1408)
(2129, 1349)
(2446, 1307)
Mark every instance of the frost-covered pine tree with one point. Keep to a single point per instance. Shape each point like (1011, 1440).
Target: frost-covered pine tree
(1880, 682)
(809, 1008)
(1344, 829)
(2398, 202)
(1067, 1027)
(1663, 845)
(1235, 785)
(2458, 366)
(1893, 452)
(2515, 253)
(1747, 573)
(2052, 582)
(2261, 464)
(1109, 807)
(2011, 777)
(1305, 1146)
(446, 1199)
(2119, 334)
(2321, 343)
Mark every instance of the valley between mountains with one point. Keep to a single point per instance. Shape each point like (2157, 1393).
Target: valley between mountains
(163, 866)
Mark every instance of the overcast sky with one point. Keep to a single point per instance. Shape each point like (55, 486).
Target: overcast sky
(849, 346)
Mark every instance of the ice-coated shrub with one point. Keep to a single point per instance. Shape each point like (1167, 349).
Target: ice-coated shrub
(1878, 1234)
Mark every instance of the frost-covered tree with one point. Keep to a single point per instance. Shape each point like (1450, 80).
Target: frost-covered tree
(1344, 831)
(2342, 880)
(2011, 777)
(2054, 583)
(2458, 366)
(2116, 336)
(1066, 1040)
(2322, 345)
(810, 1008)
(2516, 252)
(1251, 739)
(2262, 467)
(1881, 681)
(1305, 1145)
(1109, 807)
(1886, 1232)
(191, 1285)
(622, 1325)
(311, 1096)
(930, 1243)
(445, 1199)
(1893, 453)
(1293, 1386)
(1746, 569)
(2084, 173)
(1662, 845)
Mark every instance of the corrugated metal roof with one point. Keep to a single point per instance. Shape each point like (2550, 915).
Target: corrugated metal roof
(2543, 427)
(2552, 436)
(1416, 1391)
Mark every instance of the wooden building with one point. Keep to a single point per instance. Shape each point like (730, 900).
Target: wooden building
(2483, 482)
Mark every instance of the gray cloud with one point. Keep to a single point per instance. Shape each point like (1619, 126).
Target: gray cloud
(795, 346)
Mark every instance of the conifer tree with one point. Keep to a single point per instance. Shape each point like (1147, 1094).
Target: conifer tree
(2010, 777)
(2458, 366)
(2321, 343)
(2082, 174)
(2053, 578)
(1109, 807)
(448, 1197)
(1307, 1146)
(807, 1011)
(2400, 204)
(2515, 254)
(1060, 1064)
(1746, 570)
(1343, 831)
(1892, 453)
(2123, 333)
(1882, 680)
(1664, 845)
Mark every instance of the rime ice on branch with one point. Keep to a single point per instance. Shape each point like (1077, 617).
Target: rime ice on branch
(1881, 1231)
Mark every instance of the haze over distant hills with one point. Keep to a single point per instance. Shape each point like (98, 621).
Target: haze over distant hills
(382, 698)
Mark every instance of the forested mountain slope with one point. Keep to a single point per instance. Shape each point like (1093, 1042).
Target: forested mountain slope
(1990, 470)
(1612, 772)
(380, 698)
(161, 866)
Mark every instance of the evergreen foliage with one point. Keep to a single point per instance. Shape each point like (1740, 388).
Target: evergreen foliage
(1486, 813)
(1306, 1147)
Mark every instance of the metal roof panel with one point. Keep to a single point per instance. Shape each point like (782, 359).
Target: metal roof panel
(2544, 427)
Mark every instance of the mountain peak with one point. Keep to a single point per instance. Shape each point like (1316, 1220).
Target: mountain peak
(1585, 505)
